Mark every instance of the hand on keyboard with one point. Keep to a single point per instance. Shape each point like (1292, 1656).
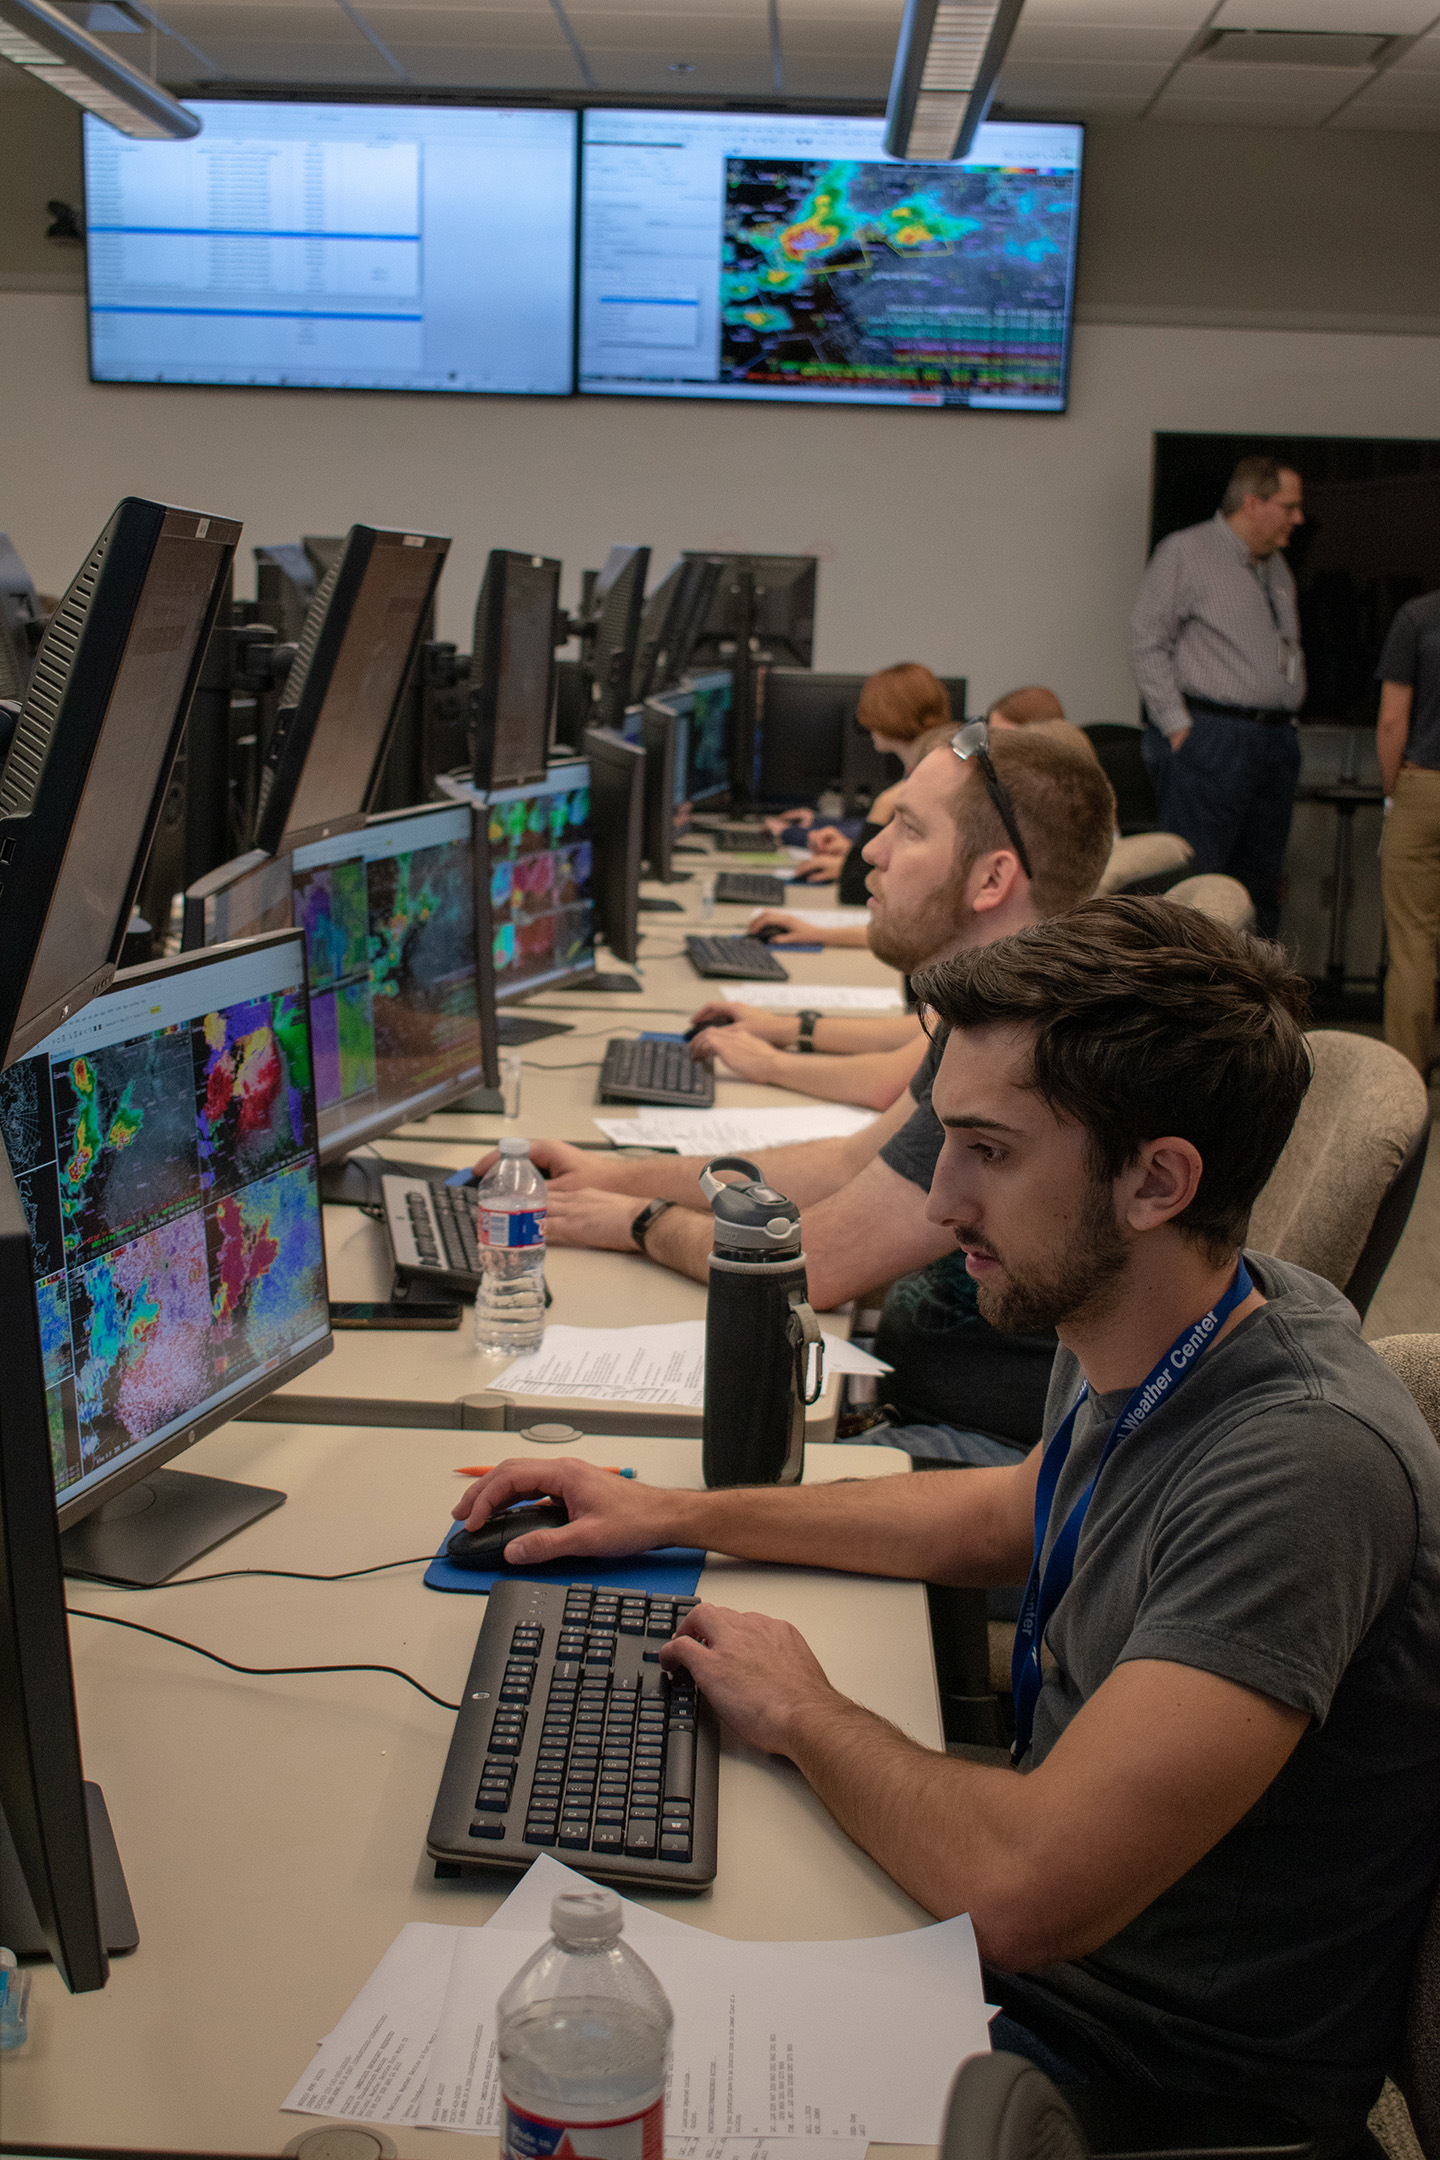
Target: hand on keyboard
(760, 1675)
(608, 1515)
(771, 1027)
(742, 1053)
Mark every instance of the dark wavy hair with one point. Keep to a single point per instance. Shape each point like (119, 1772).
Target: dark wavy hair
(1150, 1019)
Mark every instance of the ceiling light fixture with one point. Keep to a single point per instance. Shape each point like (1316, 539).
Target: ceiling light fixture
(946, 63)
(48, 45)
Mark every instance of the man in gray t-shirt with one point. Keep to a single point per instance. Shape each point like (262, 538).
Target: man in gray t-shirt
(1212, 1872)
(1408, 745)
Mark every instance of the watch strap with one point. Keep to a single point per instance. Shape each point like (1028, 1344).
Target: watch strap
(648, 1215)
(805, 1040)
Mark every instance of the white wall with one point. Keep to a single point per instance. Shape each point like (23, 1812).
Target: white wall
(999, 547)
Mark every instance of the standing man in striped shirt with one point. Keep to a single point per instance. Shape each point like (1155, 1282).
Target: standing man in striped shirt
(1215, 648)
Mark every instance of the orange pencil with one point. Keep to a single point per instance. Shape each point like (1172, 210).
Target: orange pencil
(483, 1470)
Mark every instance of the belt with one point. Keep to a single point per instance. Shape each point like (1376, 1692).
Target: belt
(1262, 715)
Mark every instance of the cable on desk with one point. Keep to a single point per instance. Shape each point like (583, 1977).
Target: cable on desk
(264, 1672)
(186, 1582)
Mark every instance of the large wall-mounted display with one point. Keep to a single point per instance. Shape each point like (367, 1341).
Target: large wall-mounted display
(336, 247)
(766, 255)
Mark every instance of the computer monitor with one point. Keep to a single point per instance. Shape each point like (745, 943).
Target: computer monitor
(163, 1142)
(59, 1871)
(342, 694)
(808, 738)
(615, 632)
(87, 769)
(706, 701)
(665, 739)
(20, 621)
(537, 877)
(617, 784)
(399, 1021)
(775, 608)
(285, 581)
(512, 668)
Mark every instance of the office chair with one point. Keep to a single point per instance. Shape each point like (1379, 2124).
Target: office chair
(1146, 862)
(1003, 2108)
(1341, 1193)
(1118, 749)
(1223, 899)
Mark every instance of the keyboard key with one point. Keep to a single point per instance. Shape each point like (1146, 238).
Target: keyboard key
(610, 1837)
(574, 1832)
(675, 1845)
(680, 1765)
(487, 1829)
(640, 1837)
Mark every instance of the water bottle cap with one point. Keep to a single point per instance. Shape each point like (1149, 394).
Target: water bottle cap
(587, 1916)
(512, 1146)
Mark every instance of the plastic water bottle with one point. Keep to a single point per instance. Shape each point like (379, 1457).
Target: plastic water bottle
(584, 2039)
(510, 1302)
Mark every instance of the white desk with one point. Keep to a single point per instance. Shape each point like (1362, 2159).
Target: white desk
(272, 1830)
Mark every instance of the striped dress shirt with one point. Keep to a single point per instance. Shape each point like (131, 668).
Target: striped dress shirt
(1210, 622)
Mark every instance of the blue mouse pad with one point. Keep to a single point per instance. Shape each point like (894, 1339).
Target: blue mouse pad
(670, 1571)
(792, 945)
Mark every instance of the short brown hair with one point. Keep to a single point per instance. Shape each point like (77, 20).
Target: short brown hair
(1064, 807)
(903, 701)
(1032, 702)
(1258, 476)
(1149, 1019)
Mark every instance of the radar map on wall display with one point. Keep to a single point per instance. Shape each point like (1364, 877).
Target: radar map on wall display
(172, 1181)
(944, 280)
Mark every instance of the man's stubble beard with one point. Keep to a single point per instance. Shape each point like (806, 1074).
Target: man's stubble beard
(1079, 1282)
(940, 926)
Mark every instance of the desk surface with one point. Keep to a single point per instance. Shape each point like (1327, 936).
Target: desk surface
(272, 1830)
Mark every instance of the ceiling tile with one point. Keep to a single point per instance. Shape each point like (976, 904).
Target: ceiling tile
(1214, 112)
(1423, 58)
(1099, 42)
(1225, 82)
(809, 77)
(1421, 89)
(1393, 119)
(1406, 16)
(1023, 81)
(356, 65)
(438, 67)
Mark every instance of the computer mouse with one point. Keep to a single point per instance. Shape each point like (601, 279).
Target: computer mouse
(485, 1547)
(768, 933)
(720, 1020)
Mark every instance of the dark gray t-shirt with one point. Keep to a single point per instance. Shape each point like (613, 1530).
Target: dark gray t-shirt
(1411, 655)
(1277, 1522)
(950, 1366)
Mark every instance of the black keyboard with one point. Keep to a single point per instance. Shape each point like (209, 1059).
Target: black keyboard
(743, 958)
(572, 1740)
(750, 888)
(433, 1232)
(655, 1072)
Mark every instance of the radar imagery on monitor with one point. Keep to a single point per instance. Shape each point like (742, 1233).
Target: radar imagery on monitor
(542, 915)
(169, 1181)
(947, 281)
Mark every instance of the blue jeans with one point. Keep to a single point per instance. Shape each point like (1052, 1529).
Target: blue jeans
(1230, 792)
(946, 1443)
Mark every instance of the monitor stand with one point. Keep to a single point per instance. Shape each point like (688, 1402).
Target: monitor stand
(612, 982)
(20, 1928)
(480, 1102)
(160, 1525)
(661, 907)
(512, 1029)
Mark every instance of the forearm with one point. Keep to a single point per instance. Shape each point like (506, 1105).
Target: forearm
(856, 935)
(872, 1081)
(930, 1528)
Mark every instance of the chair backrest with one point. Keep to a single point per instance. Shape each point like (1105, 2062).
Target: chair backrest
(1002, 2108)
(1416, 1360)
(1364, 1120)
(1146, 862)
(1223, 899)
(1118, 749)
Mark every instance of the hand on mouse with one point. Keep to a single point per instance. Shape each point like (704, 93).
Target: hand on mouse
(608, 1515)
(770, 1027)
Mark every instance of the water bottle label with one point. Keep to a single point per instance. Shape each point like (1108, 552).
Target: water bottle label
(632, 2137)
(522, 1226)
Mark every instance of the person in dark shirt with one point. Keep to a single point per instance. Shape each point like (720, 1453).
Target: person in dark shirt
(1211, 1873)
(1408, 744)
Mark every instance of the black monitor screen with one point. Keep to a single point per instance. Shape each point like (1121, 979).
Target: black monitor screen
(368, 677)
(98, 867)
(389, 921)
(542, 913)
(163, 1143)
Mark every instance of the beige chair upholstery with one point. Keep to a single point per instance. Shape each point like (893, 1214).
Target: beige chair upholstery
(1223, 899)
(1416, 1359)
(1360, 1114)
(1140, 856)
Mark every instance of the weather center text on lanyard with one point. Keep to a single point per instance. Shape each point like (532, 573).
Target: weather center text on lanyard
(1046, 1587)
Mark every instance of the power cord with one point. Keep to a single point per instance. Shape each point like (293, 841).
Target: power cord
(186, 1582)
(264, 1672)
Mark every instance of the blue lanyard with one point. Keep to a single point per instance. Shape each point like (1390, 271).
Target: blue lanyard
(1044, 1591)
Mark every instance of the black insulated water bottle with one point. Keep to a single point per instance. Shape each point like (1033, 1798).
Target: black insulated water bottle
(764, 1359)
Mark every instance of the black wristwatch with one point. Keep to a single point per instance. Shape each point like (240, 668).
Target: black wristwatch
(805, 1040)
(650, 1213)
